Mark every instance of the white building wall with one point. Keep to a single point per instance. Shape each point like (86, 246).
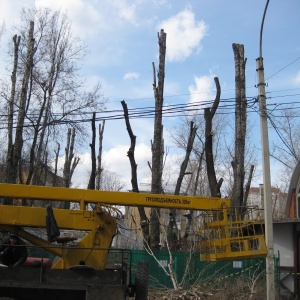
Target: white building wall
(283, 243)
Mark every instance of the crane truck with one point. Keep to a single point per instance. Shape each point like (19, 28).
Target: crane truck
(79, 271)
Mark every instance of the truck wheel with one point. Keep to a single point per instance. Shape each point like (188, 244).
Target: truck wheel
(141, 281)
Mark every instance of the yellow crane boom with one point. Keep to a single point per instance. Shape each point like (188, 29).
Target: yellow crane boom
(223, 237)
(83, 196)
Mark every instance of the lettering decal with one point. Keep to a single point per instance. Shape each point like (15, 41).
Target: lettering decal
(168, 200)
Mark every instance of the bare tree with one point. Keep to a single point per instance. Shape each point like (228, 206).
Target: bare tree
(51, 95)
(111, 181)
(286, 147)
(157, 146)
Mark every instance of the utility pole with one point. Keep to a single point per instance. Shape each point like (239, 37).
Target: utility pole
(270, 270)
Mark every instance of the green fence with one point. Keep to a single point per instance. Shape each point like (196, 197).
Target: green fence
(189, 269)
(187, 266)
(34, 251)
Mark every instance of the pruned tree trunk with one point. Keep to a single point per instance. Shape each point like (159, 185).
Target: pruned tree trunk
(144, 222)
(194, 193)
(182, 173)
(10, 147)
(238, 163)
(35, 156)
(70, 164)
(18, 146)
(56, 158)
(16, 150)
(91, 184)
(99, 167)
(209, 113)
(157, 162)
(248, 184)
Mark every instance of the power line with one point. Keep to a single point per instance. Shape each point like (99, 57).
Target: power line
(226, 107)
(283, 68)
(292, 152)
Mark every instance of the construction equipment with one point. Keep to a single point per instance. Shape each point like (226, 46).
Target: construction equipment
(79, 271)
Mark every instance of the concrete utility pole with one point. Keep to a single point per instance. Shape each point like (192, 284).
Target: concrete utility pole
(270, 270)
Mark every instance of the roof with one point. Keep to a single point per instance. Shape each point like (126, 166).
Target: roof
(293, 185)
(257, 190)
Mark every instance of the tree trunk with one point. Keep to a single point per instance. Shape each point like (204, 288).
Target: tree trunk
(157, 150)
(214, 185)
(144, 222)
(35, 158)
(18, 145)
(238, 162)
(247, 187)
(190, 215)
(189, 148)
(10, 147)
(99, 168)
(91, 184)
(69, 165)
(56, 158)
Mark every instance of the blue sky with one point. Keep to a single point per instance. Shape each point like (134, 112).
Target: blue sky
(122, 40)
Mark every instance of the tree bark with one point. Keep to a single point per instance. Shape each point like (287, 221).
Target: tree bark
(10, 147)
(99, 168)
(56, 158)
(209, 113)
(238, 162)
(157, 150)
(18, 145)
(91, 184)
(70, 164)
(189, 148)
(194, 193)
(69, 155)
(144, 222)
(35, 158)
(247, 187)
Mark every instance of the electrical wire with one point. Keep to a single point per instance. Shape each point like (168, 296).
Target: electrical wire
(281, 137)
(226, 107)
(283, 68)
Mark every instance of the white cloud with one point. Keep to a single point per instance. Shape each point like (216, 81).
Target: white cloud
(80, 178)
(115, 160)
(91, 17)
(297, 78)
(125, 10)
(184, 34)
(9, 12)
(131, 75)
(200, 91)
(84, 15)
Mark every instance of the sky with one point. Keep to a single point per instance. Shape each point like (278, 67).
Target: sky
(121, 37)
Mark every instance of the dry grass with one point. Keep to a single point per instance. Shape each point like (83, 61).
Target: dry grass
(238, 289)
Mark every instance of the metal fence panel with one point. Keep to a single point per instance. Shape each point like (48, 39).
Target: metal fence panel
(190, 270)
